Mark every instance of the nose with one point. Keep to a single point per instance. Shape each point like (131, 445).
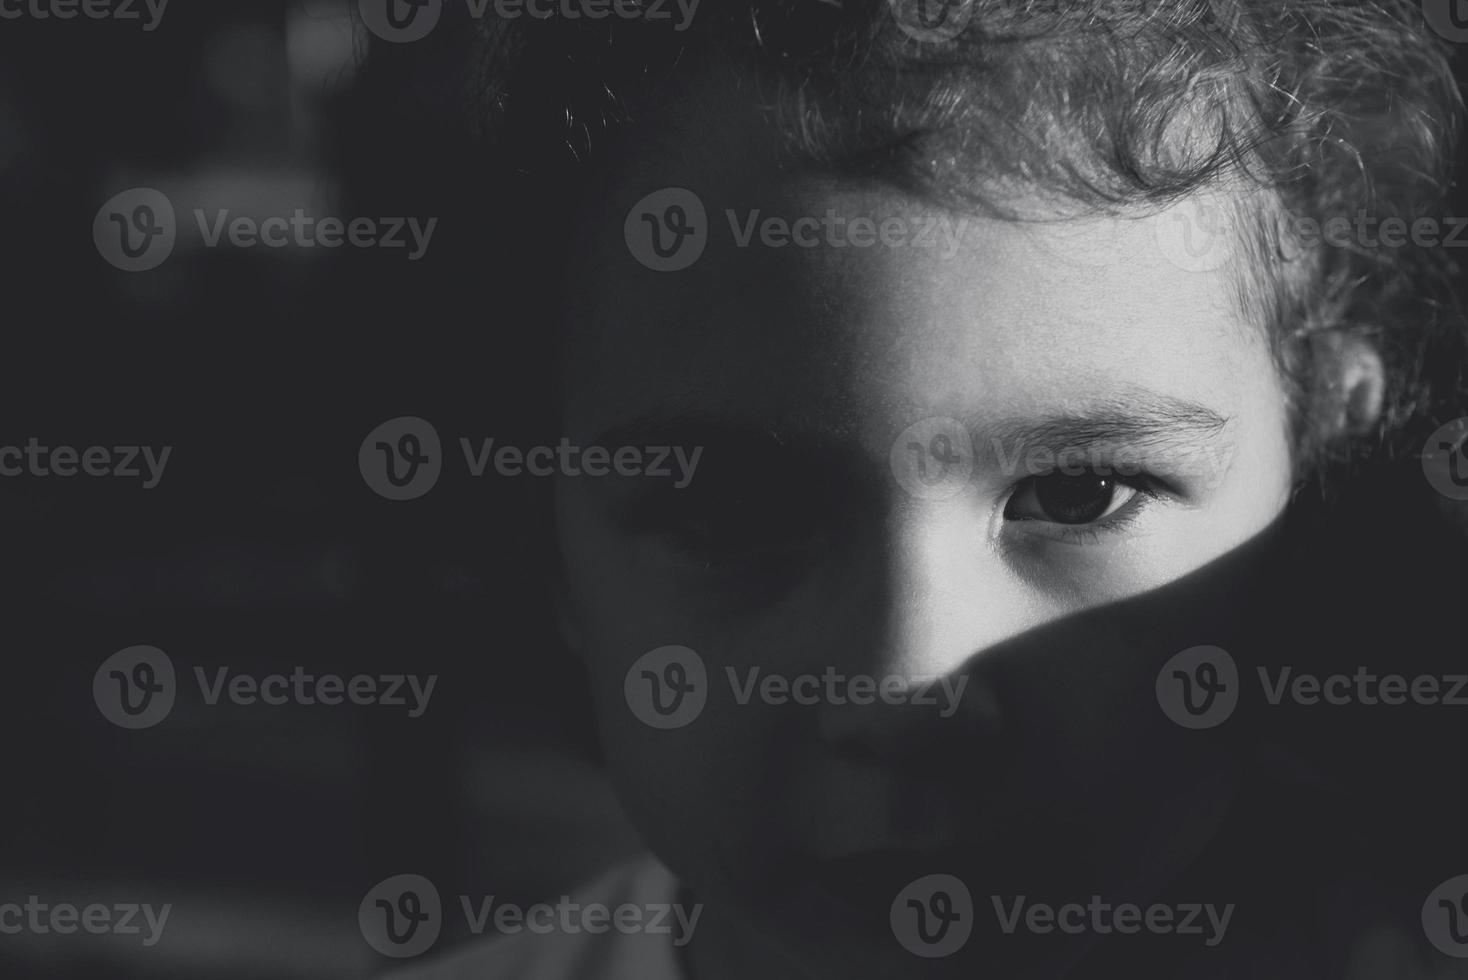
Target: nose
(936, 591)
(929, 594)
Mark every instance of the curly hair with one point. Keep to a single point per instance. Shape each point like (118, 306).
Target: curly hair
(1304, 109)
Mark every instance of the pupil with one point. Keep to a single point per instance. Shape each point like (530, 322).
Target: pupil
(1074, 499)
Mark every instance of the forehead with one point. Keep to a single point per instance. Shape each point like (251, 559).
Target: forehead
(944, 313)
(937, 313)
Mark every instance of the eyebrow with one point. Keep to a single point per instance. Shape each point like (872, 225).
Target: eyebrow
(1138, 418)
(1131, 418)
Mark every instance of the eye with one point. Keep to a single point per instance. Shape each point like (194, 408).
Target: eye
(721, 527)
(1070, 499)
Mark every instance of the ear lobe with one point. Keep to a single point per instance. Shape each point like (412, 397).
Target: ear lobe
(1356, 384)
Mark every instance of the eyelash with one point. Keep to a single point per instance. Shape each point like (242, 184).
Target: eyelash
(1148, 489)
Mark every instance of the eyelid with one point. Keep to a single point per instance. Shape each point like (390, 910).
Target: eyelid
(1114, 506)
(1147, 492)
(1182, 470)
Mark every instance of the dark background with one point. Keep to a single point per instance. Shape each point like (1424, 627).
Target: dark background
(262, 548)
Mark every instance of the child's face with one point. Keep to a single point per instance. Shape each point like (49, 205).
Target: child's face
(798, 547)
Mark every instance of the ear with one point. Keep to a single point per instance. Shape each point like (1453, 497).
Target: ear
(1354, 384)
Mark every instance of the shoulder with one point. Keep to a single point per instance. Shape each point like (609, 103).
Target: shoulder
(583, 942)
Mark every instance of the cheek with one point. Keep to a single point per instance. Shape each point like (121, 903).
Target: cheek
(700, 779)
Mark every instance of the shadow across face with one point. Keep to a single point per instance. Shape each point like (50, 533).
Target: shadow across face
(1091, 763)
(1161, 786)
